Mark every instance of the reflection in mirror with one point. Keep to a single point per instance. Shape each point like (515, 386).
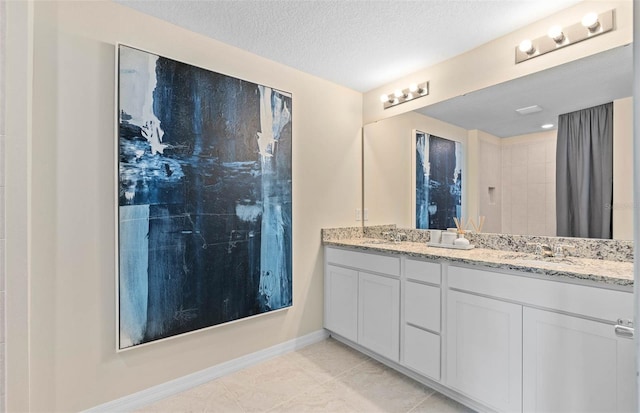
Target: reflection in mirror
(438, 175)
(510, 160)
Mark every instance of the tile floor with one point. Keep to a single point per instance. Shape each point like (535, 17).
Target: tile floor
(323, 377)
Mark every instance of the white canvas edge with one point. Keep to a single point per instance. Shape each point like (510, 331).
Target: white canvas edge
(117, 209)
(414, 133)
(153, 394)
(116, 186)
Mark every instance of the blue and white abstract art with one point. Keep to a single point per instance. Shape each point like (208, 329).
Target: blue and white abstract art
(438, 181)
(204, 198)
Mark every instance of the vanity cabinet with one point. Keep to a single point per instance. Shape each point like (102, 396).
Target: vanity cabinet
(518, 343)
(571, 364)
(362, 299)
(494, 339)
(484, 350)
(421, 328)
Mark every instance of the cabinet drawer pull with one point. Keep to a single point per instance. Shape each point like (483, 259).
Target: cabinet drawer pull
(624, 332)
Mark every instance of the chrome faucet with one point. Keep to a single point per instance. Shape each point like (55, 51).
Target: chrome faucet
(546, 251)
(560, 250)
(542, 250)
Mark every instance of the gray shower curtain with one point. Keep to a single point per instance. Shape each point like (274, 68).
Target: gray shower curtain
(584, 173)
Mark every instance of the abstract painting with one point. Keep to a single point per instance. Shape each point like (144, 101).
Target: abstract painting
(438, 181)
(204, 198)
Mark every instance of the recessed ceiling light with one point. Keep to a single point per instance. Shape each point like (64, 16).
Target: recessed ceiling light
(547, 126)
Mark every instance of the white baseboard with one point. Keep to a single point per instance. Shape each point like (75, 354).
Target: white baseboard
(170, 388)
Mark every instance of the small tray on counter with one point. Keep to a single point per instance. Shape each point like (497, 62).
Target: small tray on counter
(451, 246)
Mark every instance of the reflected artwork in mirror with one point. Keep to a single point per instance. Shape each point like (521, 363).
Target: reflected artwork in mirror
(438, 181)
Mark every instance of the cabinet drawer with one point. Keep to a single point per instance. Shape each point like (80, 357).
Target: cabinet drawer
(422, 351)
(422, 305)
(584, 300)
(363, 261)
(422, 271)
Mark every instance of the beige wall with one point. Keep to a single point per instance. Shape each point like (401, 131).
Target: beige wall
(494, 62)
(490, 182)
(389, 165)
(529, 188)
(62, 189)
(2, 206)
(623, 169)
(19, 73)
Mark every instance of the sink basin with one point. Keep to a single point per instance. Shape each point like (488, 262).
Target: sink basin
(545, 262)
(523, 258)
(518, 256)
(377, 242)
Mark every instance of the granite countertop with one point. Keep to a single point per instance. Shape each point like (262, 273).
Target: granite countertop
(614, 273)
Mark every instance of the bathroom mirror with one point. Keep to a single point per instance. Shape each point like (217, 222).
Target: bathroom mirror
(509, 158)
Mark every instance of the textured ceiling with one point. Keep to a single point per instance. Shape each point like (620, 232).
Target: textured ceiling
(361, 44)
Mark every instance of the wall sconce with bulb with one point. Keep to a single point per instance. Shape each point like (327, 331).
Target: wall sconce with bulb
(416, 90)
(592, 24)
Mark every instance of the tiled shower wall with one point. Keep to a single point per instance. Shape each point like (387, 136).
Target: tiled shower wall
(528, 179)
(2, 197)
(490, 184)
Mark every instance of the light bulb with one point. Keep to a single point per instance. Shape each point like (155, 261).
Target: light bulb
(384, 98)
(555, 33)
(527, 47)
(398, 93)
(590, 21)
(413, 88)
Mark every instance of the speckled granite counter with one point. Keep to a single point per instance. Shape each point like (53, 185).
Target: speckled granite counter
(614, 273)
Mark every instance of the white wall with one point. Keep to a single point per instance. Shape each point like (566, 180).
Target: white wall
(61, 183)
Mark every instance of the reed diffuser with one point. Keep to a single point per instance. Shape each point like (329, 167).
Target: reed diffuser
(461, 229)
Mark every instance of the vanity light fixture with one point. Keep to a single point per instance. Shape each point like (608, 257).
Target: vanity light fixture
(526, 46)
(416, 90)
(556, 34)
(592, 24)
(384, 98)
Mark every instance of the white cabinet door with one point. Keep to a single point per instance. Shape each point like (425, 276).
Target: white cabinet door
(422, 351)
(379, 315)
(341, 301)
(575, 365)
(484, 350)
